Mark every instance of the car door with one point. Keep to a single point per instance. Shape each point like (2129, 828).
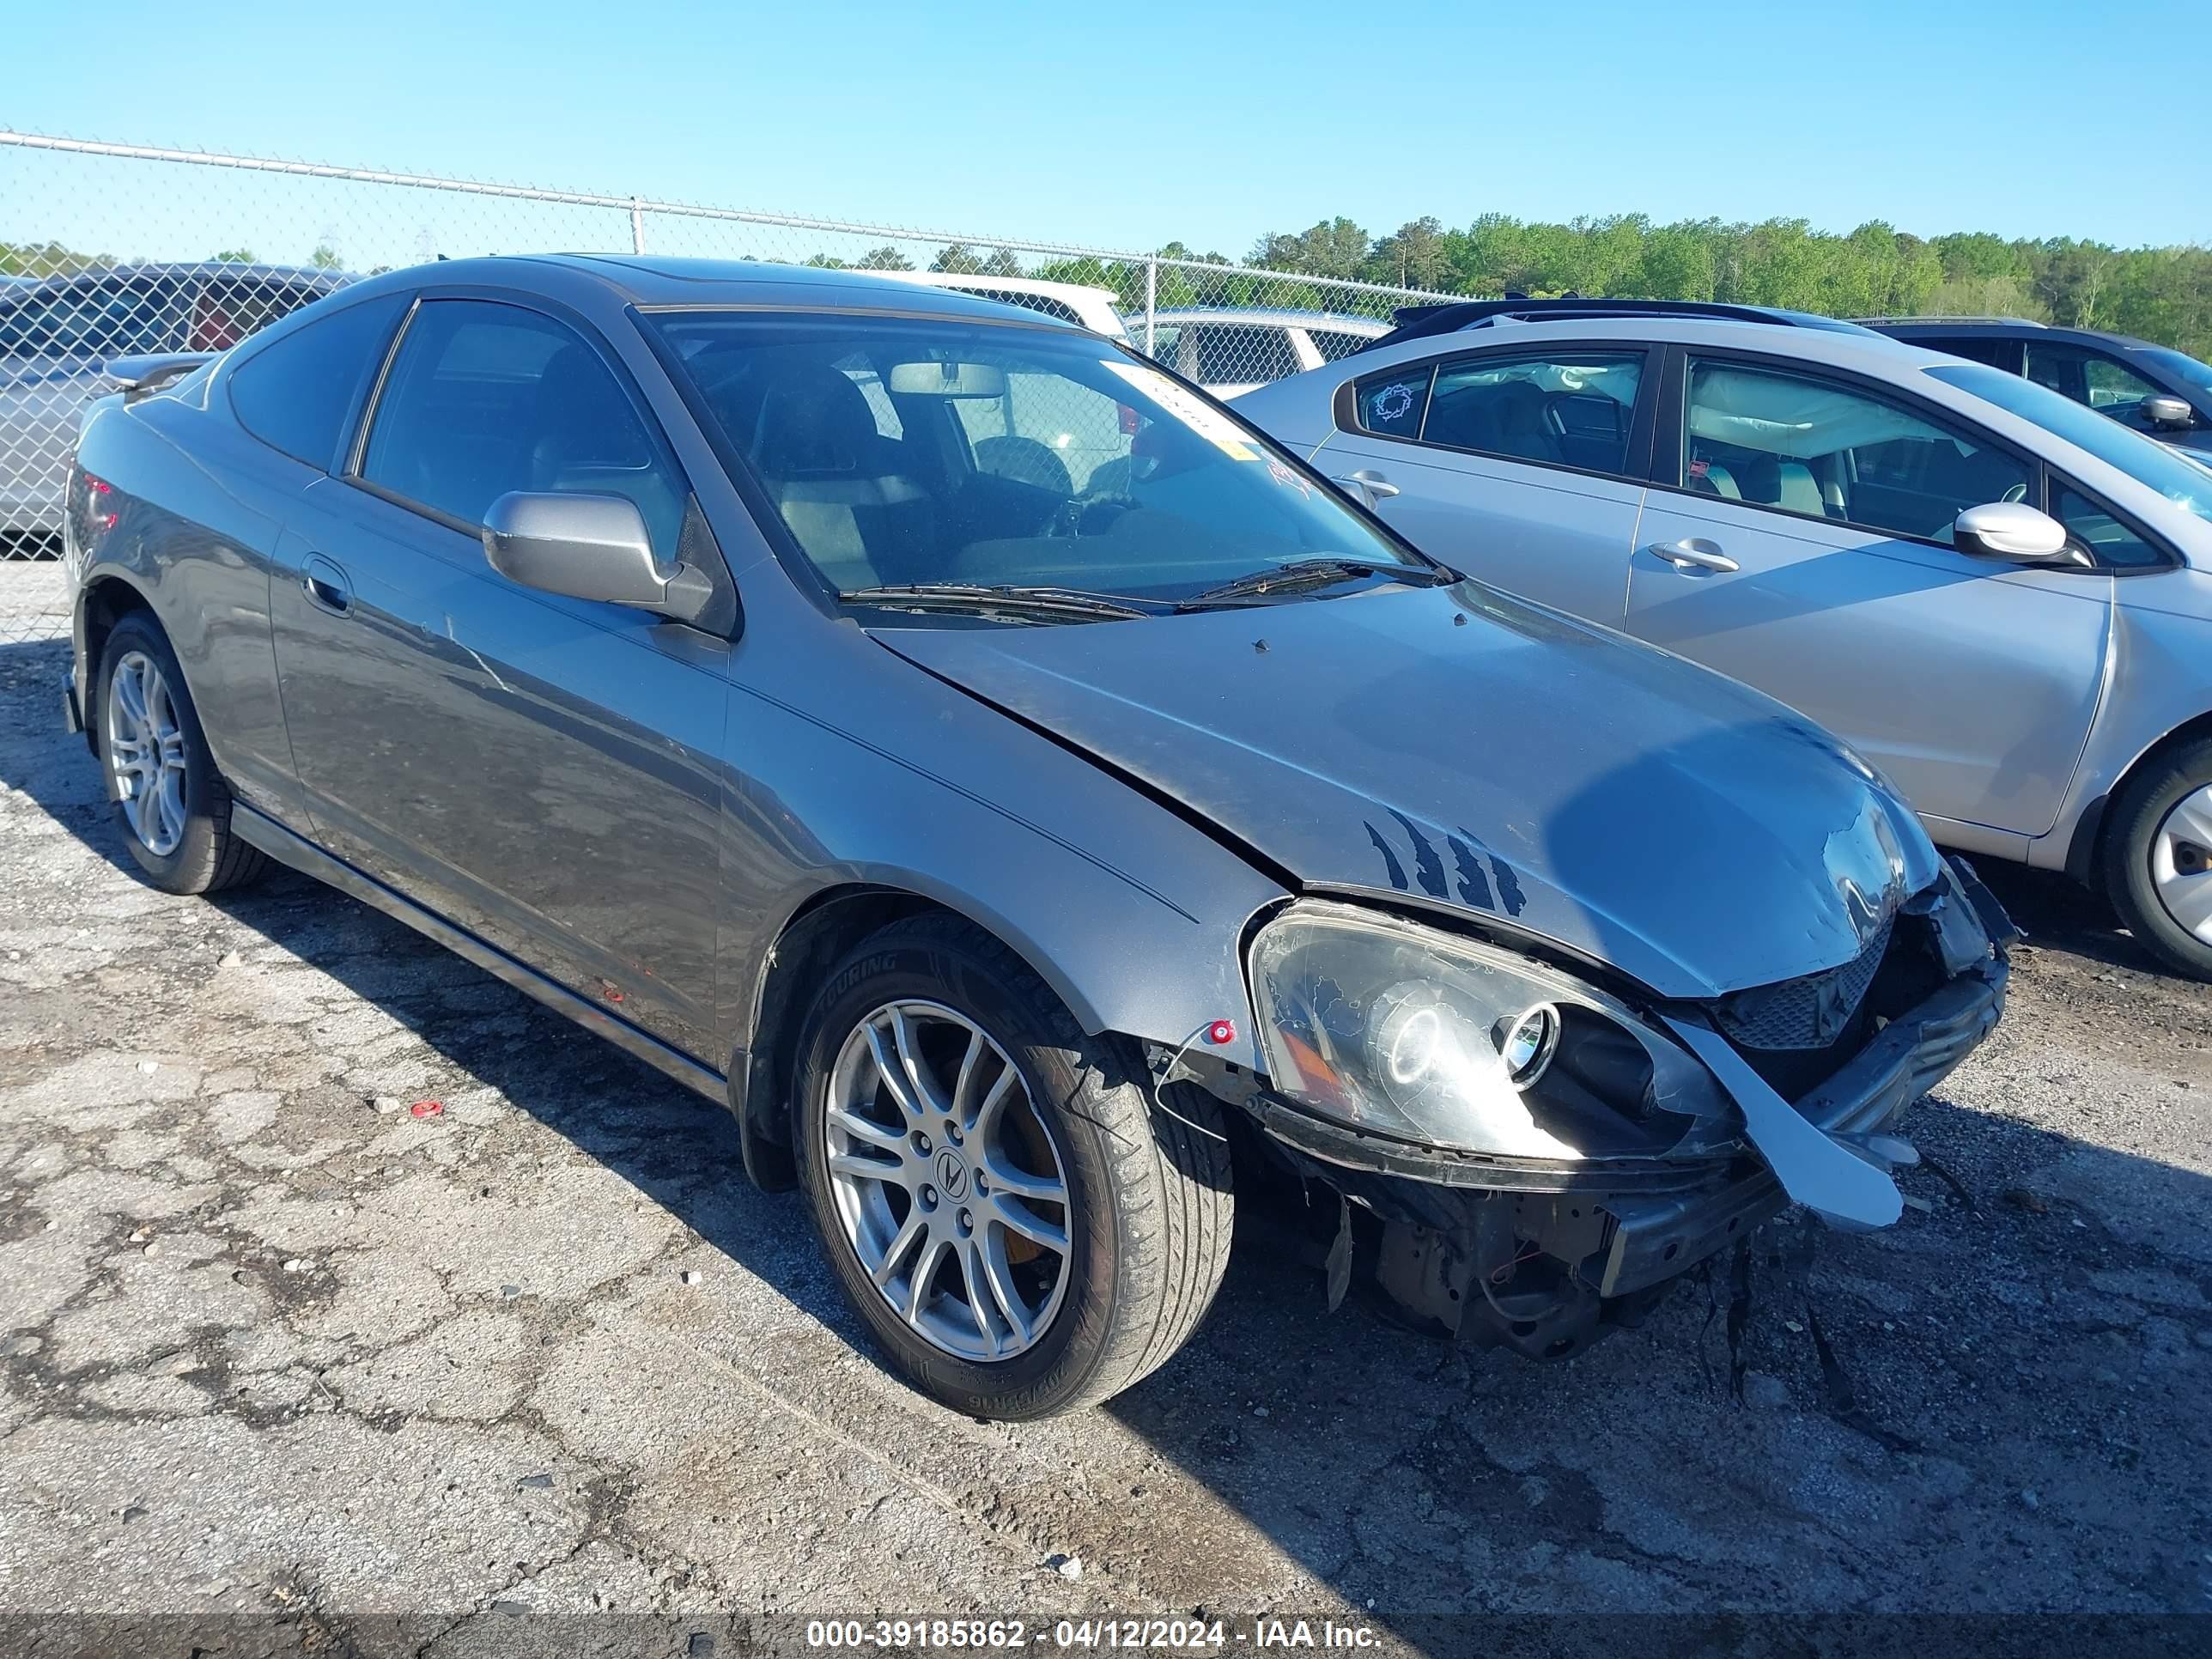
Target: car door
(1522, 467)
(542, 771)
(1802, 544)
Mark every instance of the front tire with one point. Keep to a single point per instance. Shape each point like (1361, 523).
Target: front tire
(1021, 1231)
(2159, 860)
(169, 800)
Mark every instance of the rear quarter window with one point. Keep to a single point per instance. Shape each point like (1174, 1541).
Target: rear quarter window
(296, 393)
(1393, 403)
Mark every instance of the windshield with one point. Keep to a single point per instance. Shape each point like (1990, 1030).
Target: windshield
(2144, 459)
(899, 451)
(2180, 364)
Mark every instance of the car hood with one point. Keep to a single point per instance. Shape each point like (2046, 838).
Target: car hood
(1463, 750)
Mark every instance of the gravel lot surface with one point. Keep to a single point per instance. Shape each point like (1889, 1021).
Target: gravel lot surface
(269, 1342)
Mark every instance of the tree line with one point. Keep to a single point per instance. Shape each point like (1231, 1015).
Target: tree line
(2161, 294)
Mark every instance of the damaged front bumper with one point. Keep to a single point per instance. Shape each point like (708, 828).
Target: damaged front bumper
(1543, 1259)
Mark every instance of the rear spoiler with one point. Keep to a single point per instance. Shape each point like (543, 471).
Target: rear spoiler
(142, 377)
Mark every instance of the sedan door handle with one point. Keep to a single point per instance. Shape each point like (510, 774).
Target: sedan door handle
(326, 585)
(1371, 484)
(1694, 553)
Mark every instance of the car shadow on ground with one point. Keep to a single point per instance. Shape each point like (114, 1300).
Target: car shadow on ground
(1986, 1407)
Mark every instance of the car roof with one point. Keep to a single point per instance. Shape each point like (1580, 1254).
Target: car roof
(2022, 327)
(1861, 349)
(650, 282)
(1281, 317)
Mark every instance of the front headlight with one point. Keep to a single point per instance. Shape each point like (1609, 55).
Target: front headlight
(1405, 1031)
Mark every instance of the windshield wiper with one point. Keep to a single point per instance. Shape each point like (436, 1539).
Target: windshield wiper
(1316, 572)
(1000, 596)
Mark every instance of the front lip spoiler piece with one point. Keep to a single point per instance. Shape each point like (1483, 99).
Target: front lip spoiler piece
(1663, 1220)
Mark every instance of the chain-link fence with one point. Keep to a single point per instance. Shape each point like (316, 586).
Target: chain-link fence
(110, 251)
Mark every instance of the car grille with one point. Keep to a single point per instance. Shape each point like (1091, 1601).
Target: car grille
(1797, 1014)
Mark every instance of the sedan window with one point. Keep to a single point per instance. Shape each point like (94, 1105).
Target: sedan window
(2086, 377)
(1796, 444)
(485, 398)
(1238, 354)
(1559, 409)
(108, 318)
(1394, 403)
(295, 393)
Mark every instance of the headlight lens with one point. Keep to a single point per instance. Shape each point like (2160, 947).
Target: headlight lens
(1407, 1031)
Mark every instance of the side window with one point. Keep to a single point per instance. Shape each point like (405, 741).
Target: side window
(111, 318)
(2087, 377)
(1995, 350)
(1334, 345)
(295, 394)
(2095, 528)
(1561, 409)
(1237, 353)
(485, 398)
(228, 309)
(1393, 404)
(1826, 451)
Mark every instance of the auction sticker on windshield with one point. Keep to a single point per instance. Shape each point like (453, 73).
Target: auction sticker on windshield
(1209, 423)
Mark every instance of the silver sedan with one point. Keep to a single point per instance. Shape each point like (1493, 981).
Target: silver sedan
(2001, 599)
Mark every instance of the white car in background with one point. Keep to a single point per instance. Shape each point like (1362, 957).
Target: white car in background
(1072, 303)
(1231, 351)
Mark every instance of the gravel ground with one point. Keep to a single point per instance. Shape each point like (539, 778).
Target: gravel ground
(275, 1345)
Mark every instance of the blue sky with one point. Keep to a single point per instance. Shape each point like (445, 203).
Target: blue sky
(1132, 124)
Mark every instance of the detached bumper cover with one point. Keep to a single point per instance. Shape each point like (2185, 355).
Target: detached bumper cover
(1655, 1237)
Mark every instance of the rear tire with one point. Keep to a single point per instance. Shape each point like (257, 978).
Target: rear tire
(171, 803)
(2158, 859)
(1147, 1207)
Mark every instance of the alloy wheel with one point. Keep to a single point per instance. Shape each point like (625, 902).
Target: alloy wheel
(2181, 863)
(946, 1180)
(145, 750)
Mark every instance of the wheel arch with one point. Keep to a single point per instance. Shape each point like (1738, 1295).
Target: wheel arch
(103, 602)
(2085, 852)
(823, 927)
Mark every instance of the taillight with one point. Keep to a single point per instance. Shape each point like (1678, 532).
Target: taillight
(93, 507)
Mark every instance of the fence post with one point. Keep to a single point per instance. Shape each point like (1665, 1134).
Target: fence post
(636, 225)
(1152, 299)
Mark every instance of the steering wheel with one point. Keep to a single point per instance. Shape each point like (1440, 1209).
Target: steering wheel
(1087, 515)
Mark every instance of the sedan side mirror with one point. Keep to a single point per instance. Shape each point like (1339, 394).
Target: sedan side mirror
(588, 547)
(2015, 532)
(2166, 410)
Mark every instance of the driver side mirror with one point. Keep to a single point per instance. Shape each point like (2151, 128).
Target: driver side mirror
(2168, 411)
(2014, 531)
(588, 547)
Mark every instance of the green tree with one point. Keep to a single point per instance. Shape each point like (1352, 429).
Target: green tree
(236, 256)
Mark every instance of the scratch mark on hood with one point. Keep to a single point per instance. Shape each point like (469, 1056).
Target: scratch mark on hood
(1389, 859)
(1473, 885)
(1428, 868)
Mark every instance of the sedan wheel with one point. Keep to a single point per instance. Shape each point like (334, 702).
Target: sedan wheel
(171, 801)
(946, 1181)
(2181, 864)
(2158, 858)
(145, 750)
(1018, 1225)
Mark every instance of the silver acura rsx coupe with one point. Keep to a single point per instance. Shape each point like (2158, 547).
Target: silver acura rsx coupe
(1032, 799)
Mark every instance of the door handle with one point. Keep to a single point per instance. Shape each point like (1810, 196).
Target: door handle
(326, 585)
(1693, 553)
(1371, 484)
